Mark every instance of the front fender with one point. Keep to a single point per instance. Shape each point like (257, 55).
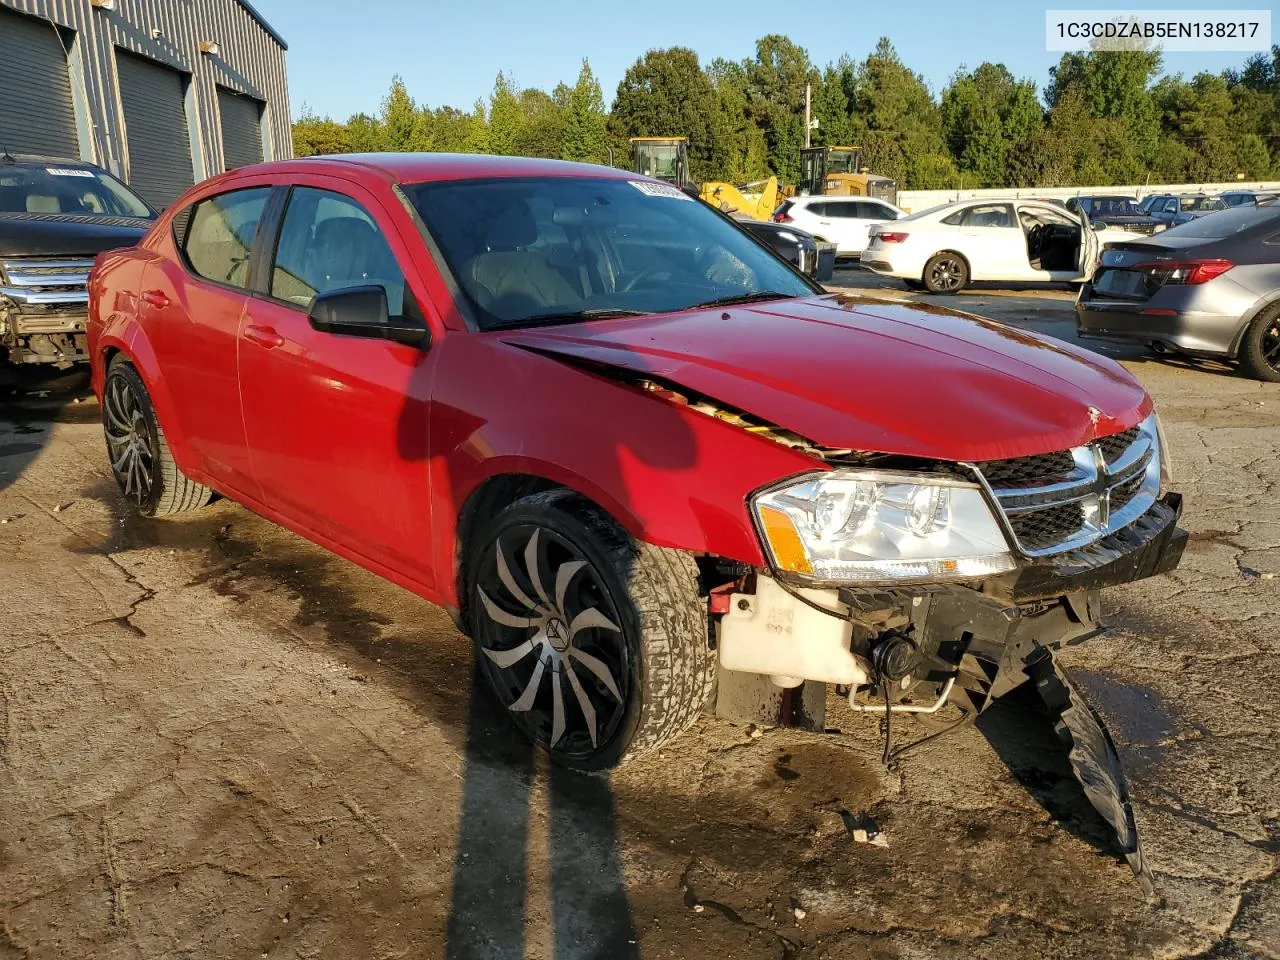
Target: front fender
(670, 475)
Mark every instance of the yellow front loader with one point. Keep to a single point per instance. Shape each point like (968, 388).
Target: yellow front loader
(755, 200)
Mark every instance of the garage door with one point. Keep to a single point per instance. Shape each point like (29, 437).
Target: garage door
(155, 127)
(35, 90)
(241, 129)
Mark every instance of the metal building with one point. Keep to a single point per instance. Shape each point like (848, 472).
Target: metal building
(163, 93)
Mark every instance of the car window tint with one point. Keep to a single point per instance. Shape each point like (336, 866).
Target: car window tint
(988, 215)
(817, 209)
(847, 210)
(955, 219)
(329, 242)
(219, 238)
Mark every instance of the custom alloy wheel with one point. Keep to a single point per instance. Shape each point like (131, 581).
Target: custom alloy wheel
(1260, 349)
(552, 646)
(129, 441)
(595, 643)
(946, 273)
(140, 458)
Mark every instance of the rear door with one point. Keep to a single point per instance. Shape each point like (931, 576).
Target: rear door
(191, 309)
(336, 424)
(989, 236)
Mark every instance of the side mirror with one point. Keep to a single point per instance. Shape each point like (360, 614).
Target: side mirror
(362, 312)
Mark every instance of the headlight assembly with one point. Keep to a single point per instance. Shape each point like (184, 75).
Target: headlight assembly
(880, 527)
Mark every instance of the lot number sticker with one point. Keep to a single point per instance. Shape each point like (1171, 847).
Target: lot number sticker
(659, 190)
(68, 172)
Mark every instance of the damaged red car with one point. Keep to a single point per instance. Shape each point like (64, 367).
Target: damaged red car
(642, 460)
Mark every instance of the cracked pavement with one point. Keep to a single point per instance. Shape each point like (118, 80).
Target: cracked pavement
(218, 740)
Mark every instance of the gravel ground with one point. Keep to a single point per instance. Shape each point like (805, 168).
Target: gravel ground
(218, 740)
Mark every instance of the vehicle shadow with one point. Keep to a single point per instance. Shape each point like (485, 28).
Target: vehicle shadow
(32, 400)
(587, 898)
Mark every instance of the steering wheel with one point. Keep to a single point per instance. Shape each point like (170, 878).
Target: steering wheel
(1035, 240)
(657, 274)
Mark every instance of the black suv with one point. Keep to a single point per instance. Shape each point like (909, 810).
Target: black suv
(1120, 212)
(55, 217)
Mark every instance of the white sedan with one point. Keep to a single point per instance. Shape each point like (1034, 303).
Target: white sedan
(945, 248)
(844, 221)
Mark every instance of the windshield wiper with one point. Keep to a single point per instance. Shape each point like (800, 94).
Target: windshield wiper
(576, 316)
(756, 297)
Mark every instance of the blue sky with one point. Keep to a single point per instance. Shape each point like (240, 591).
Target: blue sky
(343, 53)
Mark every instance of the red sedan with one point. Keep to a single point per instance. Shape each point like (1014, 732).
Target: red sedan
(625, 444)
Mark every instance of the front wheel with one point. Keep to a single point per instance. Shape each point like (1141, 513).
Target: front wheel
(946, 273)
(595, 643)
(1260, 350)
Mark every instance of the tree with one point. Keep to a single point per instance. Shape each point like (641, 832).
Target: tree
(506, 118)
(984, 113)
(896, 110)
(585, 127)
(314, 135)
(365, 134)
(775, 82)
(401, 126)
(544, 125)
(666, 93)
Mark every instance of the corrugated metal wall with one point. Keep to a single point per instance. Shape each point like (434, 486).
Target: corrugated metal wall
(250, 60)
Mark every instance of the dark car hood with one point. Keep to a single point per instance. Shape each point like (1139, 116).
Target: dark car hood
(872, 375)
(50, 235)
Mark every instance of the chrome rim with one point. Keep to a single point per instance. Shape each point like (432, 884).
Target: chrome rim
(946, 274)
(1271, 344)
(128, 440)
(552, 644)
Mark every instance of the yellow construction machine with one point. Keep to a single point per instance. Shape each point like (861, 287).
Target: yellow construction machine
(667, 158)
(838, 172)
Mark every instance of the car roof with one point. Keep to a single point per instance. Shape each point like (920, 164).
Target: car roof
(420, 167)
(37, 160)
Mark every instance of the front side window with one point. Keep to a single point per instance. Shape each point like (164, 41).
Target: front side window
(329, 242)
(220, 232)
(526, 251)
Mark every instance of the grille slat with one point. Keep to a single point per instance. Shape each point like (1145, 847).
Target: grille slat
(1064, 500)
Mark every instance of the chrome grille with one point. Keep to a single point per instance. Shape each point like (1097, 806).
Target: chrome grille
(46, 284)
(1062, 501)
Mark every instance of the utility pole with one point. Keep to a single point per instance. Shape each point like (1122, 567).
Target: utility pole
(808, 94)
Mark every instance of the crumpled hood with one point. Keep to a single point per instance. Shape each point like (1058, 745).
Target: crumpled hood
(875, 376)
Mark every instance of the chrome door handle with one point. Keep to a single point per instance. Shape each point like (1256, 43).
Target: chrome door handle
(264, 336)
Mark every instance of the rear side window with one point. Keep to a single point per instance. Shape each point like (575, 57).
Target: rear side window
(329, 242)
(983, 215)
(847, 209)
(219, 236)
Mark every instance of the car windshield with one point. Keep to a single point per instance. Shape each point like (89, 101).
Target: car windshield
(1233, 220)
(1113, 207)
(67, 191)
(526, 251)
(1203, 203)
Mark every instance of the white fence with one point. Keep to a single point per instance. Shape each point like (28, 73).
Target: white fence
(913, 200)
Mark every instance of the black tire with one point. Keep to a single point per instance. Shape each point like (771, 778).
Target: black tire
(139, 455)
(945, 273)
(913, 284)
(1260, 349)
(653, 639)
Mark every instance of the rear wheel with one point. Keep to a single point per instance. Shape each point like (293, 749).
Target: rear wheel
(1260, 351)
(594, 642)
(946, 273)
(140, 459)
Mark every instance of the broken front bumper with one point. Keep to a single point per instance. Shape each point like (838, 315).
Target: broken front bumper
(44, 310)
(964, 644)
